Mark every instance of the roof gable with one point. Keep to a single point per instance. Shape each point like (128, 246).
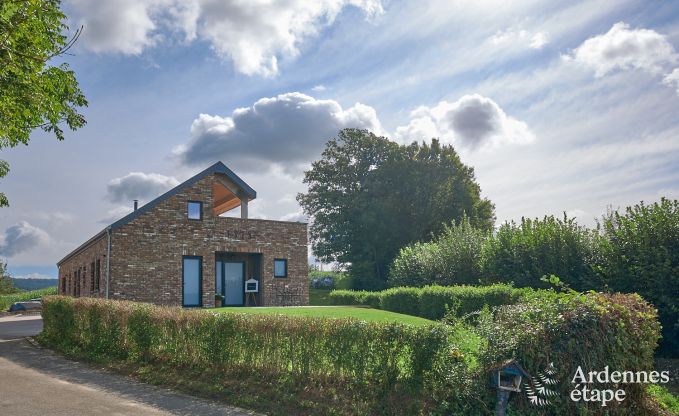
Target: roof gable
(218, 167)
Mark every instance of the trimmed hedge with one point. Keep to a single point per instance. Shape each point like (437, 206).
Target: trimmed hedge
(394, 359)
(386, 368)
(432, 302)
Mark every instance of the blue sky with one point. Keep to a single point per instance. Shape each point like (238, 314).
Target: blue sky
(559, 106)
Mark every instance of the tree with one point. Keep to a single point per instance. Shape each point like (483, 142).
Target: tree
(640, 253)
(6, 284)
(368, 197)
(33, 92)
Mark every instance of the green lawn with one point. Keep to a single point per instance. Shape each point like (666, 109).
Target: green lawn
(365, 314)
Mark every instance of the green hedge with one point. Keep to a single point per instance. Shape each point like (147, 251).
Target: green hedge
(594, 331)
(7, 300)
(432, 302)
(394, 359)
(394, 369)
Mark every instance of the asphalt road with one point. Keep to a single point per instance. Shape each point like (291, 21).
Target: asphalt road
(35, 381)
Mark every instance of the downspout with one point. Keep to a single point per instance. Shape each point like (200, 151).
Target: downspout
(108, 262)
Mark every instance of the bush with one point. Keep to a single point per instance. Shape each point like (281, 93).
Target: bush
(640, 253)
(524, 253)
(393, 359)
(453, 258)
(571, 330)
(391, 368)
(401, 300)
(432, 302)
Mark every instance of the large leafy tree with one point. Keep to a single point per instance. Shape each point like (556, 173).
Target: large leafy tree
(35, 92)
(368, 197)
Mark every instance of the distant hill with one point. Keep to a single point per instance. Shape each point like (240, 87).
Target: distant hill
(34, 284)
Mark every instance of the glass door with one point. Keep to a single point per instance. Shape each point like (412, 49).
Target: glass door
(230, 280)
(191, 280)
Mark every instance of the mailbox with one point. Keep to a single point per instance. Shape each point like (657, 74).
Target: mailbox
(251, 286)
(508, 376)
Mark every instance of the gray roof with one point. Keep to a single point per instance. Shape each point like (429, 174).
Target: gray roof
(218, 167)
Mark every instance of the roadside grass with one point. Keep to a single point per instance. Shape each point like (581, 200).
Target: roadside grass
(7, 300)
(363, 314)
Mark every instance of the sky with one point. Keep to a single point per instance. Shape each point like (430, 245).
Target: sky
(560, 106)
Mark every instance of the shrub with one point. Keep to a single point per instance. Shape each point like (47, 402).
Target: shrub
(435, 301)
(524, 253)
(393, 359)
(453, 258)
(640, 253)
(432, 302)
(401, 300)
(391, 368)
(571, 330)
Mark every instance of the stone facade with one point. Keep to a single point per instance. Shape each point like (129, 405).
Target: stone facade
(147, 253)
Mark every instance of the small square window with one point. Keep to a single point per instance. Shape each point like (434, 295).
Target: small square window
(195, 210)
(280, 268)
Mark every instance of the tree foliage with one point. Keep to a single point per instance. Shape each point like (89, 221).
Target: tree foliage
(640, 253)
(524, 253)
(368, 197)
(452, 258)
(6, 285)
(34, 93)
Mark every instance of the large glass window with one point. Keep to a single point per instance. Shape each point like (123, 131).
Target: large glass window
(195, 210)
(191, 280)
(280, 268)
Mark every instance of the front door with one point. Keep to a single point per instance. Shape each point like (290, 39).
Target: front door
(232, 276)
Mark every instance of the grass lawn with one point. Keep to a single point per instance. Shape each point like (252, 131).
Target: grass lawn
(364, 314)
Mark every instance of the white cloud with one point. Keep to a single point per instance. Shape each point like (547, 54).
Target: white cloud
(116, 213)
(318, 88)
(34, 276)
(672, 79)
(576, 213)
(521, 37)
(253, 34)
(139, 185)
(539, 40)
(624, 48)
(123, 26)
(285, 131)
(472, 122)
(22, 237)
(297, 216)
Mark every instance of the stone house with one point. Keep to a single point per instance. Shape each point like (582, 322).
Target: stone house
(180, 250)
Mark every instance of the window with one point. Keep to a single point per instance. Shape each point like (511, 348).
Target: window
(280, 268)
(192, 277)
(97, 276)
(92, 277)
(77, 281)
(195, 210)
